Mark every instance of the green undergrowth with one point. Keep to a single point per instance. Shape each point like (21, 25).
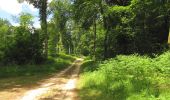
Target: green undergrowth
(88, 66)
(131, 77)
(53, 64)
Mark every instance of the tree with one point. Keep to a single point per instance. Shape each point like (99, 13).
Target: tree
(61, 11)
(5, 38)
(22, 44)
(26, 19)
(88, 12)
(42, 6)
(25, 49)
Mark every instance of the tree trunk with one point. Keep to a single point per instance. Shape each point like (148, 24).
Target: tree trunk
(166, 24)
(166, 34)
(43, 18)
(105, 25)
(106, 44)
(94, 48)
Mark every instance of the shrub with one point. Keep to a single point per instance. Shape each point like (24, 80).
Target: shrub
(26, 48)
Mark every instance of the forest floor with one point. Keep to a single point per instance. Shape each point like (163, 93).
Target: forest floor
(59, 86)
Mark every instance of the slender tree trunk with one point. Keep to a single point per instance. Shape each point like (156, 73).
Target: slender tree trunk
(105, 25)
(69, 49)
(166, 34)
(43, 17)
(106, 44)
(94, 48)
(54, 44)
(166, 24)
(165, 28)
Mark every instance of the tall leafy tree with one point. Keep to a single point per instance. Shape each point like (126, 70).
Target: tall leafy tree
(87, 12)
(5, 36)
(61, 12)
(42, 6)
(26, 46)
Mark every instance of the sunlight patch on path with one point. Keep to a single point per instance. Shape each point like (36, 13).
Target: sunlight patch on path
(34, 93)
(70, 85)
(49, 84)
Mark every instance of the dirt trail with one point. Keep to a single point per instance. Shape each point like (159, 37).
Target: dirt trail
(61, 86)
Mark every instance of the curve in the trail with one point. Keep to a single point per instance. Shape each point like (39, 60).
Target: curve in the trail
(61, 85)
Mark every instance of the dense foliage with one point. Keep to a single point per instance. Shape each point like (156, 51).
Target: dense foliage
(126, 78)
(20, 45)
(4, 32)
(127, 25)
(25, 48)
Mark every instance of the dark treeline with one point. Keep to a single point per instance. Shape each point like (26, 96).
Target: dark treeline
(126, 26)
(99, 28)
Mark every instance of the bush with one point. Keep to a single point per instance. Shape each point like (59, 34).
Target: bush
(26, 48)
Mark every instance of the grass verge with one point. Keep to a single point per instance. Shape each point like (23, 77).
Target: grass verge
(25, 75)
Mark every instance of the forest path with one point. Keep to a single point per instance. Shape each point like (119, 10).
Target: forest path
(58, 86)
(62, 86)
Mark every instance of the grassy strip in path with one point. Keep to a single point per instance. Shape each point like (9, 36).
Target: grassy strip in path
(25, 75)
